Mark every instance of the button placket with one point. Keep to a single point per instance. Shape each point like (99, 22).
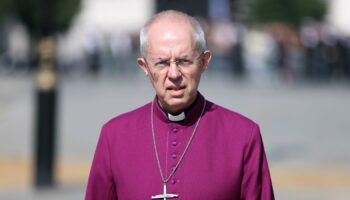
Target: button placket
(174, 143)
(174, 130)
(173, 181)
(174, 156)
(173, 153)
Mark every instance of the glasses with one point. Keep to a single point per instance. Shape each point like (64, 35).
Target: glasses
(182, 63)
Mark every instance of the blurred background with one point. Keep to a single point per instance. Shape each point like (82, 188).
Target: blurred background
(68, 66)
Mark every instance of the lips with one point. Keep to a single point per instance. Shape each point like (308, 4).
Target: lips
(176, 91)
(175, 88)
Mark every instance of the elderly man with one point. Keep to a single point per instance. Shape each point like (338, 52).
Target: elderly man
(179, 146)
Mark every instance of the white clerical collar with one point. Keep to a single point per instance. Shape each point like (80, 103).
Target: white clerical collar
(176, 118)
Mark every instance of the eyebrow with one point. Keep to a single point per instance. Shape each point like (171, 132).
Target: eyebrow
(181, 57)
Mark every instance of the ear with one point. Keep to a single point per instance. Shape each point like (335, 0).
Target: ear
(143, 65)
(206, 59)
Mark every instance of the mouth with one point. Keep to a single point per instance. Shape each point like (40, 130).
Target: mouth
(176, 91)
(176, 88)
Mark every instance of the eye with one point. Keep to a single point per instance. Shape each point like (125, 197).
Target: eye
(162, 63)
(183, 62)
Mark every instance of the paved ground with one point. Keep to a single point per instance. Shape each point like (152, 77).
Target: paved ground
(305, 128)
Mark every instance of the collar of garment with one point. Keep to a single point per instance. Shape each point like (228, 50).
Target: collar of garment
(177, 117)
(189, 115)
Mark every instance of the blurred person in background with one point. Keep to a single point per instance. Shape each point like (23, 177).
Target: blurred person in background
(180, 145)
(92, 50)
(225, 39)
(329, 51)
(344, 56)
(14, 48)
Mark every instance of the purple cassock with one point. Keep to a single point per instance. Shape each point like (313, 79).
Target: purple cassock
(225, 161)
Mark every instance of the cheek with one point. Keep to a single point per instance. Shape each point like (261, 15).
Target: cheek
(155, 77)
(194, 79)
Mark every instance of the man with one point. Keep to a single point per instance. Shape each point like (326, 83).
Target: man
(179, 146)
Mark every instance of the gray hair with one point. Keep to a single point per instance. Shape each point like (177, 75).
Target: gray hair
(199, 36)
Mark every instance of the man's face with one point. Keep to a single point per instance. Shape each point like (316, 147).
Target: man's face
(173, 65)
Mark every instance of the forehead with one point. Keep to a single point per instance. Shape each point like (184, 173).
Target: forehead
(168, 36)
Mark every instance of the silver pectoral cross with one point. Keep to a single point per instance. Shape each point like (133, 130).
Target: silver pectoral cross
(165, 196)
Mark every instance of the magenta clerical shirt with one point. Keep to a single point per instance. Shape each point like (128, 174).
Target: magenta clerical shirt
(225, 161)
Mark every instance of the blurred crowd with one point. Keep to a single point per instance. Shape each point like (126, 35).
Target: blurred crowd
(316, 51)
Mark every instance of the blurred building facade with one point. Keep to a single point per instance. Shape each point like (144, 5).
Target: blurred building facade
(339, 15)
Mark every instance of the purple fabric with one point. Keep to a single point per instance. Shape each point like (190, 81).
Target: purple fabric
(226, 160)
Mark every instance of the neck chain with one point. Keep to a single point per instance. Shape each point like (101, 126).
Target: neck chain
(166, 180)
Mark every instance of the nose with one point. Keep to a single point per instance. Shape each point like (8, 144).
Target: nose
(174, 72)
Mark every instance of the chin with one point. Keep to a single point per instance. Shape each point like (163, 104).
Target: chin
(176, 104)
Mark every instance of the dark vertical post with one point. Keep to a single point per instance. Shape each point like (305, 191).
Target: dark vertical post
(45, 139)
(46, 116)
(46, 79)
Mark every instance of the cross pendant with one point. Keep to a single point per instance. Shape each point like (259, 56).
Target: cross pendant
(165, 196)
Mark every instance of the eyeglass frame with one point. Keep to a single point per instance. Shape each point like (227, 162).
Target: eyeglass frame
(167, 62)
